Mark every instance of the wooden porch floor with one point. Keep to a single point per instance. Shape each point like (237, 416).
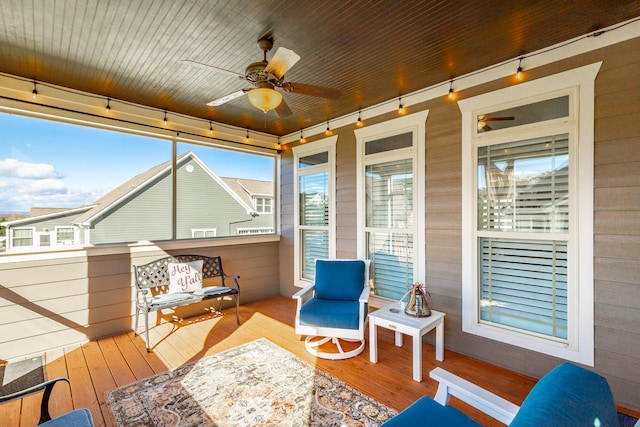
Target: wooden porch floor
(100, 366)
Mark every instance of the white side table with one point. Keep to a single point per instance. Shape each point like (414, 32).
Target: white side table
(401, 323)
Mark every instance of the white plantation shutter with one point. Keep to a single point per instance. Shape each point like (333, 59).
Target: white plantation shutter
(523, 187)
(389, 225)
(524, 285)
(314, 220)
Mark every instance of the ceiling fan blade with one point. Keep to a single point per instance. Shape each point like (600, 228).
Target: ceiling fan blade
(311, 90)
(227, 98)
(280, 62)
(283, 109)
(212, 68)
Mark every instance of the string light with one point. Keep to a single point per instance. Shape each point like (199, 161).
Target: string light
(519, 74)
(165, 118)
(210, 129)
(247, 137)
(34, 92)
(279, 145)
(359, 123)
(452, 94)
(401, 109)
(302, 138)
(107, 109)
(328, 132)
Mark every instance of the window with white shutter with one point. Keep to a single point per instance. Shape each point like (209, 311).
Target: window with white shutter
(391, 203)
(315, 216)
(527, 220)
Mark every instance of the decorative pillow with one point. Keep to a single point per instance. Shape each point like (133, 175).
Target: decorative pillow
(185, 276)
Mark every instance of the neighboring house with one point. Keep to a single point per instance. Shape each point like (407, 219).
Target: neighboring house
(140, 210)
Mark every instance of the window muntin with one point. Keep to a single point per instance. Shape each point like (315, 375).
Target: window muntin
(263, 204)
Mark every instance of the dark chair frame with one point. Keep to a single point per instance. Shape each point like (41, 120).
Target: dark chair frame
(47, 386)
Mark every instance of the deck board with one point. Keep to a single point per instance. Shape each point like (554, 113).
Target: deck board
(97, 367)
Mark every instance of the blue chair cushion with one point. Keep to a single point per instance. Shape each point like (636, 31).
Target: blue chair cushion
(339, 280)
(78, 418)
(427, 412)
(330, 313)
(568, 395)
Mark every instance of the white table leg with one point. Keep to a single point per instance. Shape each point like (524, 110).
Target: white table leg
(398, 339)
(373, 342)
(440, 341)
(417, 356)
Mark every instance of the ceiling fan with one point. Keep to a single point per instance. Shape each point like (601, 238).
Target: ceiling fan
(265, 77)
(483, 119)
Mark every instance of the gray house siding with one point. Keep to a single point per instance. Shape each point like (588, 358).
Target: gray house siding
(205, 206)
(50, 224)
(145, 216)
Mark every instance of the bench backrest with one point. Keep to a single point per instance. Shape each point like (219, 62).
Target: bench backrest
(155, 273)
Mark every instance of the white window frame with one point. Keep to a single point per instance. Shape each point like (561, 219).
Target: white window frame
(204, 231)
(579, 83)
(415, 123)
(324, 145)
(75, 235)
(33, 237)
(259, 204)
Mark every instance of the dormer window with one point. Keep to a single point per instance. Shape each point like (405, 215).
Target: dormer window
(263, 205)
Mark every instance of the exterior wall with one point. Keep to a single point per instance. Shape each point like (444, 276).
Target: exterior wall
(616, 212)
(152, 207)
(205, 205)
(51, 224)
(50, 300)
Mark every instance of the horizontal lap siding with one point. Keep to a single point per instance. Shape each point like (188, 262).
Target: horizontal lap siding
(53, 303)
(616, 219)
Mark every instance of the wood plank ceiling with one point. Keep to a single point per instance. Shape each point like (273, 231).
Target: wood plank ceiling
(372, 51)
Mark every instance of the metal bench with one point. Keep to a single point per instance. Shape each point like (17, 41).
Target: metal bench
(152, 285)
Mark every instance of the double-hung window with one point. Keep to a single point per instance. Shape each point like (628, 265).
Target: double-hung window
(528, 215)
(391, 182)
(314, 170)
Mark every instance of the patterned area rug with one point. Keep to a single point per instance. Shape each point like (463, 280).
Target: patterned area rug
(256, 384)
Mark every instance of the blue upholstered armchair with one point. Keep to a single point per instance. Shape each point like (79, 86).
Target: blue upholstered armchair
(334, 308)
(568, 395)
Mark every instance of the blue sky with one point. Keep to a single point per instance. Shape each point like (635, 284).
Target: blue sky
(51, 164)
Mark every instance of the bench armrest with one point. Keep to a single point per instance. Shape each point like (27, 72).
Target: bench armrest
(489, 403)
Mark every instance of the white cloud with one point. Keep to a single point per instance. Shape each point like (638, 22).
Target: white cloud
(18, 195)
(16, 169)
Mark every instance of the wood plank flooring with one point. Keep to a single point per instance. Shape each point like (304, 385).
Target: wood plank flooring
(98, 366)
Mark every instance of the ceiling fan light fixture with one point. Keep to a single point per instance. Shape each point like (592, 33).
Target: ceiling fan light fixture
(264, 98)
